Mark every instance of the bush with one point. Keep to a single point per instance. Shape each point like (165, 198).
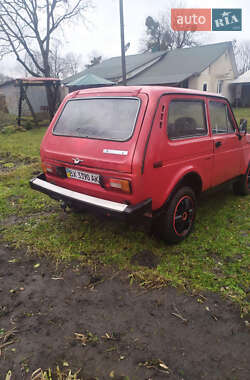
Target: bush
(9, 129)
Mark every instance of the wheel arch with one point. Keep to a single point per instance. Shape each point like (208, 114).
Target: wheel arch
(191, 179)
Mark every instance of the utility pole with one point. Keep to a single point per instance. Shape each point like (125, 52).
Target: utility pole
(124, 80)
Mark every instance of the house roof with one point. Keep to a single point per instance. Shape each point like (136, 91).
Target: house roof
(31, 81)
(89, 79)
(111, 68)
(244, 78)
(161, 67)
(180, 64)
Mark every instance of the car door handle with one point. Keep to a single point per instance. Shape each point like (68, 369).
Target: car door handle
(217, 144)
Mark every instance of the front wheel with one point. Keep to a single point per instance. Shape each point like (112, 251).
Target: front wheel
(242, 187)
(177, 221)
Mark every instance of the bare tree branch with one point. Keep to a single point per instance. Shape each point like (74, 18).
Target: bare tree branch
(27, 29)
(242, 55)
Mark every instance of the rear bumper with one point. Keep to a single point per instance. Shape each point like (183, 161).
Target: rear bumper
(86, 201)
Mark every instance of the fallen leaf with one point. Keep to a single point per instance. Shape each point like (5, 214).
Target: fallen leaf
(83, 338)
(112, 374)
(162, 365)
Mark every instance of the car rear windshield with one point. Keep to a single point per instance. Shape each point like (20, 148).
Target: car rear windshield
(98, 118)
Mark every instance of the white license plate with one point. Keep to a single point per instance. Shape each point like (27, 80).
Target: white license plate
(83, 176)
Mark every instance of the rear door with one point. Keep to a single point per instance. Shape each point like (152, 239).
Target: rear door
(99, 132)
(226, 143)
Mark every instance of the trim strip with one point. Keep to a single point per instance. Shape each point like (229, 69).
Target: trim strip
(114, 206)
(115, 151)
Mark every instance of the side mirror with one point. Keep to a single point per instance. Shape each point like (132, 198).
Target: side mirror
(243, 126)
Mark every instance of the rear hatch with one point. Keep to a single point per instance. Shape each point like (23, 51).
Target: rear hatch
(96, 132)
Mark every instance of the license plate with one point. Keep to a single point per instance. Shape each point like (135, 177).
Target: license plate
(83, 176)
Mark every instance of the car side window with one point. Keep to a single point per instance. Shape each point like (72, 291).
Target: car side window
(186, 118)
(221, 121)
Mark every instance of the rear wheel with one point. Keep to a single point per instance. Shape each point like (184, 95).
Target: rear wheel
(177, 221)
(242, 187)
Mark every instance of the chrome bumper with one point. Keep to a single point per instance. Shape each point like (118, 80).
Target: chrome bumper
(60, 193)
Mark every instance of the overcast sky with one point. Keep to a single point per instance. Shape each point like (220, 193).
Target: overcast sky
(101, 33)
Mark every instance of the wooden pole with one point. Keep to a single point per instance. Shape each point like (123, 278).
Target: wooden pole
(20, 104)
(124, 80)
(25, 96)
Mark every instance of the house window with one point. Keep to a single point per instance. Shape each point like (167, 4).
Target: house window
(204, 88)
(219, 86)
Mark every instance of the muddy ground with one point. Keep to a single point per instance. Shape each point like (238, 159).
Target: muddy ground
(122, 329)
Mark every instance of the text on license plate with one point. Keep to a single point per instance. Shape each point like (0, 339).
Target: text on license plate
(83, 176)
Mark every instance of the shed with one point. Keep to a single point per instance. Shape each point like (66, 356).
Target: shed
(241, 90)
(27, 96)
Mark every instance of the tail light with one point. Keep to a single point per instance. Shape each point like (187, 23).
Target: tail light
(46, 167)
(117, 184)
(58, 171)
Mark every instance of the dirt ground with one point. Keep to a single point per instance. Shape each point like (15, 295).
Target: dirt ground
(110, 329)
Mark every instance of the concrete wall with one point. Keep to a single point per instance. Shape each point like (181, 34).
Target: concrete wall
(37, 97)
(221, 69)
(11, 94)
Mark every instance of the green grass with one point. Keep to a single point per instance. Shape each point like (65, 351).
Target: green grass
(21, 145)
(214, 258)
(6, 119)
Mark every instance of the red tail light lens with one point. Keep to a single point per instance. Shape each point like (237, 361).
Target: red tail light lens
(47, 167)
(59, 171)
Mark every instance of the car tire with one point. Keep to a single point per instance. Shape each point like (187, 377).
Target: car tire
(177, 221)
(242, 187)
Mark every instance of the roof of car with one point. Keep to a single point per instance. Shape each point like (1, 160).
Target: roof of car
(136, 90)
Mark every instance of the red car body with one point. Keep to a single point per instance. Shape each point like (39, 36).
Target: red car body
(178, 140)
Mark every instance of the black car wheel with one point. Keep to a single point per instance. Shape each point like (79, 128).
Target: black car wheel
(177, 221)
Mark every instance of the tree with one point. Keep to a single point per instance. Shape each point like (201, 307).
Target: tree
(94, 61)
(242, 55)
(160, 35)
(61, 66)
(27, 27)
